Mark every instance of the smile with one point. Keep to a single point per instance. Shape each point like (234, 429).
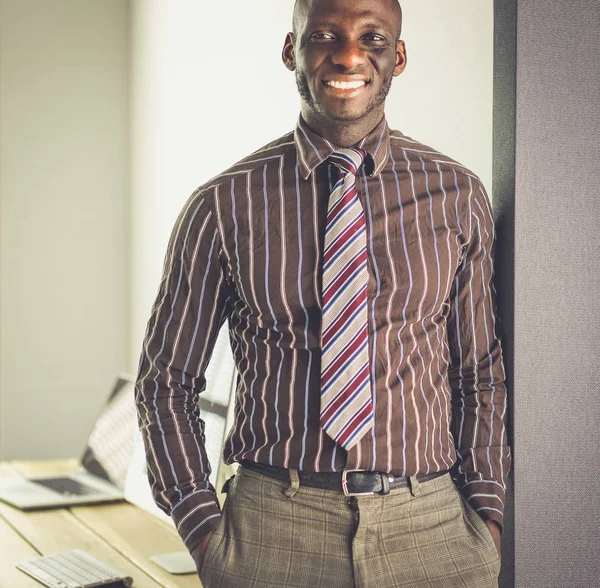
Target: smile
(345, 85)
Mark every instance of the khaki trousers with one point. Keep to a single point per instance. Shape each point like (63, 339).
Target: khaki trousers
(274, 534)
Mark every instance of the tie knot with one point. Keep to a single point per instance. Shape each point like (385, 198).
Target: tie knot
(348, 160)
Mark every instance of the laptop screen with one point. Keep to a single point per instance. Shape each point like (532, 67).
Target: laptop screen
(110, 444)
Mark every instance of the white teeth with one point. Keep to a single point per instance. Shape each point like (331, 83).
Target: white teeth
(345, 85)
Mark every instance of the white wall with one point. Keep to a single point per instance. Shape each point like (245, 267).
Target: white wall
(445, 96)
(209, 87)
(64, 252)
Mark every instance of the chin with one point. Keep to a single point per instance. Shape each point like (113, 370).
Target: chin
(343, 110)
(349, 111)
(346, 115)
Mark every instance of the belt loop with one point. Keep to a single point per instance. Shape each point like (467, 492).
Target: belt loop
(227, 485)
(385, 484)
(294, 484)
(415, 487)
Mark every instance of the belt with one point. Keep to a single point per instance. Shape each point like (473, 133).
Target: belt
(350, 482)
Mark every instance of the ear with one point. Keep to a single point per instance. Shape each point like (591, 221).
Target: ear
(287, 55)
(400, 58)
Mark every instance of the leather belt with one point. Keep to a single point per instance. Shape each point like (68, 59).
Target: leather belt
(349, 482)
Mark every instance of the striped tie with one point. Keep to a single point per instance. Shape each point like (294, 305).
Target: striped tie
(346, 403)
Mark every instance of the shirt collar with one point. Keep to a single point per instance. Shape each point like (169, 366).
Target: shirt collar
(314, 149)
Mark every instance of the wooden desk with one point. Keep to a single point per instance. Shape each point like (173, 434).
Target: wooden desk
(122, 535)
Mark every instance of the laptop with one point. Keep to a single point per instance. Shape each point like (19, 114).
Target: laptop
(101, 475)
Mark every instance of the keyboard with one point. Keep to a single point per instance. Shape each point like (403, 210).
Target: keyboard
(73, 569)
(66, 486)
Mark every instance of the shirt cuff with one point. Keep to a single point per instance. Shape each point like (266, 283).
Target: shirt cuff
(485, 496)
(196, 516)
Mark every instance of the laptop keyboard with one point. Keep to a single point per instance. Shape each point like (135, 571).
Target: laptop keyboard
(66, 486)
(73, 569)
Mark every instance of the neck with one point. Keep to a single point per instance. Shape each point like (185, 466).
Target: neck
(342, 133)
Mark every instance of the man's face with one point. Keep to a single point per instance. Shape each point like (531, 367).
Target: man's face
(345, 54)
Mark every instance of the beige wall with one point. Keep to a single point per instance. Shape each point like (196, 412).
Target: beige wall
(64, 250)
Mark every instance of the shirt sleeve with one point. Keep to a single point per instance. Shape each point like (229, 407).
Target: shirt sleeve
(476, 371)
(186, 317)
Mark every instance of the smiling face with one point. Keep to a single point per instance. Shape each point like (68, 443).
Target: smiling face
(345, 54)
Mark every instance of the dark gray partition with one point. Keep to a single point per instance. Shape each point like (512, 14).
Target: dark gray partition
(547, 204)
(505, 24)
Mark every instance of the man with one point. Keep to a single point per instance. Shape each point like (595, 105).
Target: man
(354, 268)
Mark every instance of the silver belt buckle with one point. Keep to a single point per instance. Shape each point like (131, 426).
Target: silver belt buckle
(345, 484)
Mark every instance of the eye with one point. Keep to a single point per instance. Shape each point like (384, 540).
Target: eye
(374, 38)
(321, 37)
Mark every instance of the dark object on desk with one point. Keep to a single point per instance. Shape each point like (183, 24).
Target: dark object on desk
(66, 486)
(73, 569)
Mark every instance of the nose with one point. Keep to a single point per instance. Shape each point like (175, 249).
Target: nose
(348, 55)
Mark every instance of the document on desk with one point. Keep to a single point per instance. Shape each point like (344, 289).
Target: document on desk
(137, 488)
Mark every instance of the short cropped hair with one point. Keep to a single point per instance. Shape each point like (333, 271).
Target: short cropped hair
(301, 6)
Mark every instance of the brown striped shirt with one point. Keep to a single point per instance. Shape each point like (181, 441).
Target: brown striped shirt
(247, 249)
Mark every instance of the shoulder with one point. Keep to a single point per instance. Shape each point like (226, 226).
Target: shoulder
(201, 208)
(403, 146)
(273, 150)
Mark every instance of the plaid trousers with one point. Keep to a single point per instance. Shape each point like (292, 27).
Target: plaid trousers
(274, 534)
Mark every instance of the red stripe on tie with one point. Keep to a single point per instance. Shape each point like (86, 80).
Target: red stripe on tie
(344, 164)
(347, 393)
(344, 316)
(341, 204)
(355, 423)
(334, 367)
(343, 238)
(341, 280)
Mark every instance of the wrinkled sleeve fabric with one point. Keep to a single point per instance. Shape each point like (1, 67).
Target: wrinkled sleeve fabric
(186, 317)
(476, 372)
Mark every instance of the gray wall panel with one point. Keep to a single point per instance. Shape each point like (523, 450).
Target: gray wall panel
(556, 317)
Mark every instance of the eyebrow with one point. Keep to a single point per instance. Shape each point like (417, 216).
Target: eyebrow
(331, 24)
